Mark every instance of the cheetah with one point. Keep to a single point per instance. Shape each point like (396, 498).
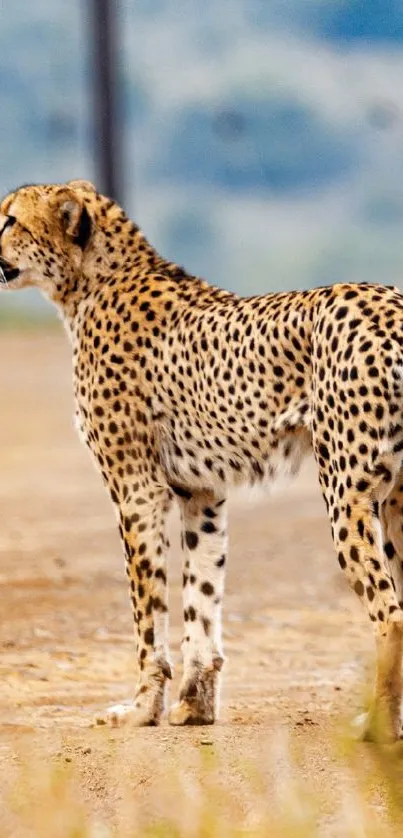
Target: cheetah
(183, 390)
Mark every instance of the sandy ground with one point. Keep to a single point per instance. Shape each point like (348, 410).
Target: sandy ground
(298, 646)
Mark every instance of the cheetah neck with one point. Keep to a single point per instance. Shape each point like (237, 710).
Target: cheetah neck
(108, 269)
(119, 260)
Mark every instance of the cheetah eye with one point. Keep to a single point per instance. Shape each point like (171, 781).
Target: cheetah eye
(11, 219)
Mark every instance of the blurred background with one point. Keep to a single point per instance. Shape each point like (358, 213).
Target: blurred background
(258, 142)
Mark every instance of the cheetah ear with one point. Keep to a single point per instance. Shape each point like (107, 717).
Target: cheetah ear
(76, 220)
(86, 185)
(6, 204)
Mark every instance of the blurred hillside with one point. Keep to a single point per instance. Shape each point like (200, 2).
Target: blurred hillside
(263, 138)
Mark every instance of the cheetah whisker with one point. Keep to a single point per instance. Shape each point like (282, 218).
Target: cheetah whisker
(3, 278)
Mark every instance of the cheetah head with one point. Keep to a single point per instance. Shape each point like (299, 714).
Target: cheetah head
(46, 235)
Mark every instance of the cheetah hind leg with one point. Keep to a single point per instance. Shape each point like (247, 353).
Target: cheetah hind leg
(360, 541)
(383, 722)
(368, 726)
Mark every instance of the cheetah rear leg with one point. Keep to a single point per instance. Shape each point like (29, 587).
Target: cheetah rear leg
(392, 521)
(142, 519)
(356, 519)
(204, 522)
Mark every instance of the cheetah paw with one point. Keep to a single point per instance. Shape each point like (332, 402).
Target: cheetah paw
(122, 714)
(368, 727)
(361, 727)
(182, 713)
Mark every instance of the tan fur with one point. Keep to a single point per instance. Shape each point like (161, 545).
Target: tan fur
(183, 390)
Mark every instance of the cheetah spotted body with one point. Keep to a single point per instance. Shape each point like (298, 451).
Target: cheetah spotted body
(183, 390)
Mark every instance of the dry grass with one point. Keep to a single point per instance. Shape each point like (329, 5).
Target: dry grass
(47, 799)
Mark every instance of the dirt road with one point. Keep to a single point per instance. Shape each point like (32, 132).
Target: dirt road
(298, 646)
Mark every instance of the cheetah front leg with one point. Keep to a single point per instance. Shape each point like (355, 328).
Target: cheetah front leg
(204, 522)
(142, 513)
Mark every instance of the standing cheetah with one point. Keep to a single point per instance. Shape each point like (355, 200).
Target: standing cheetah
(183, 390)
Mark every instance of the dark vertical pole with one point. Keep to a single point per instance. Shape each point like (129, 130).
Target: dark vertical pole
(107, 123)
